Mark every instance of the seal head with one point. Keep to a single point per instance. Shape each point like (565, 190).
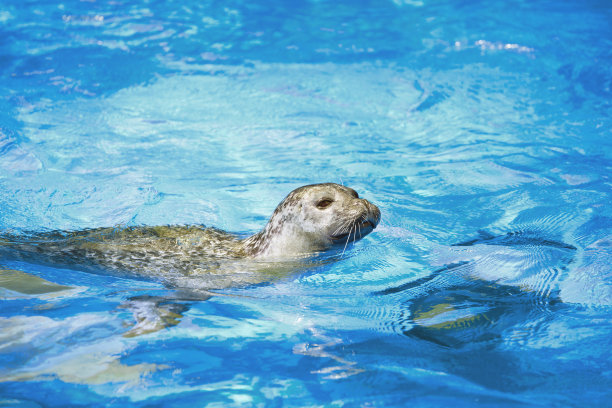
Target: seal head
(314, 218)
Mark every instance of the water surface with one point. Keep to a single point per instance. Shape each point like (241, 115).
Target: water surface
(474, 123)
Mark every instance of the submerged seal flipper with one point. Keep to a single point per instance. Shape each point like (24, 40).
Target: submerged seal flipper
(153, 313)
(28, 284)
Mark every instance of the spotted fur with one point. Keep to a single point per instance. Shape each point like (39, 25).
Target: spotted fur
(297, 228)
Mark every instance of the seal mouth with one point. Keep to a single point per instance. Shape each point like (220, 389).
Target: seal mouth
(339, 237)
(358, 230)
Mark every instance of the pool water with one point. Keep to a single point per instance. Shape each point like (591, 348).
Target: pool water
(482, 130)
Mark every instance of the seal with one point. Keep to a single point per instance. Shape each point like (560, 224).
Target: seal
(311, 220)
(310, 226)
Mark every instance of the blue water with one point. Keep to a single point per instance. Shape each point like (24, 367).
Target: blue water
(486, 124)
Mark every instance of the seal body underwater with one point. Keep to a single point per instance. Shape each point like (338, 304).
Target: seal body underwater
(311, 220)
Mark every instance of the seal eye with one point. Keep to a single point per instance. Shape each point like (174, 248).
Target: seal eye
(324, 203)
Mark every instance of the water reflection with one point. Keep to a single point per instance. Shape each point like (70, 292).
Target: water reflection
(500, 283)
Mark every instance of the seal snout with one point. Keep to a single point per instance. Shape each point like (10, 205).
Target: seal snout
(372, 217)
(368, 224)
(366, 217)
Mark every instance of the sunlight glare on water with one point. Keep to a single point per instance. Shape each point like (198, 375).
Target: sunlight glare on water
(481, 130)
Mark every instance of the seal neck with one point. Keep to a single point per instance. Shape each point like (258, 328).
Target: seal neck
(255, 244)
(274, 243)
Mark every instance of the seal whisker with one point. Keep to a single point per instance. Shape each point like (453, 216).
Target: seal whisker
(342, 227)
(361, 220)
(351, 231)
(347, 241)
